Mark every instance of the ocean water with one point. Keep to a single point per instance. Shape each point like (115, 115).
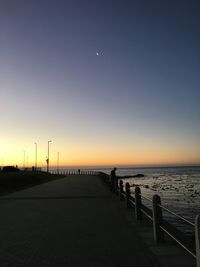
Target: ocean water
(178, 187)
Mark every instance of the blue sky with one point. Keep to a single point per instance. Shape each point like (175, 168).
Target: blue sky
(137, 102)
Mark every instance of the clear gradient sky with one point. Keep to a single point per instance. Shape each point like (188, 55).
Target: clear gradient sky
(109, 82)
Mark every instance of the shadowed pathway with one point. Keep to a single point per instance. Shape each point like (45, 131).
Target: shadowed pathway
(74, 221)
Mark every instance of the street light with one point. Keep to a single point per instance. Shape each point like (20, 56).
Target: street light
(58, 162)
(24, 159)
(27, 161)
(48, 157)
(35, 156)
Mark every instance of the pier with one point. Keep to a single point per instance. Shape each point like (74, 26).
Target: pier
(77, 221)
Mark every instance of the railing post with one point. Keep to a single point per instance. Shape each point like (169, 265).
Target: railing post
(138, 203)
(197, 239)
(120, 189)
(157, 220)
(128, 193)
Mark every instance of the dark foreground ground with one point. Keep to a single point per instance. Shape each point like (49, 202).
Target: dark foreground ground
(15, 181)
(77, 222)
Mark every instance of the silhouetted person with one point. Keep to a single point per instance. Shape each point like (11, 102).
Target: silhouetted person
(79, 171)
(113, 179)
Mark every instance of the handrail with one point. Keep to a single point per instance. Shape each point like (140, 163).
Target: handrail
(172, 212)
(73, 172)
(145, 213)
(178, 216)
(175, 239)
(156, 217)
(132, 202)
(168, 210)
(146, 198)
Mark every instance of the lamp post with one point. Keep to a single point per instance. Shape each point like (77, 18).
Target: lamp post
(48, 156)
(24, 159)
(58, 162)
(35, 156)
(27, 161)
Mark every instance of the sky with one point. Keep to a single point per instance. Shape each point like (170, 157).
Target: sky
(108, 82)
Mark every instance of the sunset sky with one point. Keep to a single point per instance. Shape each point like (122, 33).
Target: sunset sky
(109, 82)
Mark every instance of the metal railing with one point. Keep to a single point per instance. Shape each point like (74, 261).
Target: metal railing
(73, 172)
(160, 226)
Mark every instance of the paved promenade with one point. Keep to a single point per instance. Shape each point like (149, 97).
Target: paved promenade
(75, 221)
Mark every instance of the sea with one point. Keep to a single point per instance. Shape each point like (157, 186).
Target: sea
(178, 187)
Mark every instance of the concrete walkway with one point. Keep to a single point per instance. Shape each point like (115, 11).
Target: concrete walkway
(75, 221)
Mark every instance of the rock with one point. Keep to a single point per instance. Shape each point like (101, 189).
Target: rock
(139, 175)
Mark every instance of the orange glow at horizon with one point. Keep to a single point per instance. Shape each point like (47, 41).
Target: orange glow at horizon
(98, 159)
(101, 154)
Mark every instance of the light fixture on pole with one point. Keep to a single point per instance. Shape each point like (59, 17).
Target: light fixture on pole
(27, 161)
(35, 156)
(58, 154)
(48, 156)
(24, 159)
